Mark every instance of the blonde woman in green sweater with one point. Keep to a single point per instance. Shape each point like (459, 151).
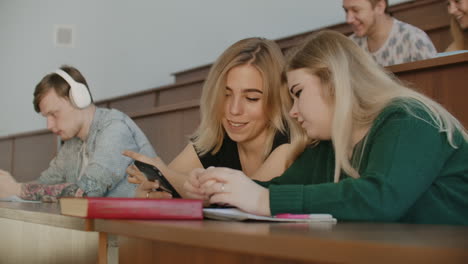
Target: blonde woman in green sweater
(380, 151)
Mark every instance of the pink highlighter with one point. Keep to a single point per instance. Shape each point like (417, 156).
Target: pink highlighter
(303, 216)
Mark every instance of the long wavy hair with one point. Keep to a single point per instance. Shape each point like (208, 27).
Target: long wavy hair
(359, 89)
(266, 56)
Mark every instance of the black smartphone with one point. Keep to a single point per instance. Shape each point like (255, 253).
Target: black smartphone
(152, 173)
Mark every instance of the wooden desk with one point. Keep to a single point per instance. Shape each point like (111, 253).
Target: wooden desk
(38, 233)
(444, 79)
(238, 242)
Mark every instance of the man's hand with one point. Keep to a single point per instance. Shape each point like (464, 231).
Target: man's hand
(8, 185)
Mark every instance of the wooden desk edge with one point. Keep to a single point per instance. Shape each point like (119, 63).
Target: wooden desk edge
(429, 63)
(47, 218)
(283, 245)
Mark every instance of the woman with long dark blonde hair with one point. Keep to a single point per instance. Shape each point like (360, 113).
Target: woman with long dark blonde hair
(244, 120)
(382, 151)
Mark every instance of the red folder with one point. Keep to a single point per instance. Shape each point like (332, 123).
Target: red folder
(132, 208)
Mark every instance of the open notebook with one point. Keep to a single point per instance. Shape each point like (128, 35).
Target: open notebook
(233, 214)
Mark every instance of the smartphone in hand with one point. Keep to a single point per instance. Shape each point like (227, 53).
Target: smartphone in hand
(152, 173)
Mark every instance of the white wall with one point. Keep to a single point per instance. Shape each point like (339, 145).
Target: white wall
(125, 46)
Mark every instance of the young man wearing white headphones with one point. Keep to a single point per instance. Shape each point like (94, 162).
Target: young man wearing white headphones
(90, 162)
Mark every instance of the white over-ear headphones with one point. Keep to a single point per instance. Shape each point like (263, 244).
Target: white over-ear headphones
(79, 94)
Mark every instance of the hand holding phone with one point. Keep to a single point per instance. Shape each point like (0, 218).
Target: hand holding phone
(152, 173)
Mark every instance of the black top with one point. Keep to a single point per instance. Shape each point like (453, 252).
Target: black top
(228, 155)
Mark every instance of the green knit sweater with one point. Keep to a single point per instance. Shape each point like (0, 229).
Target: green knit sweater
(409, 173)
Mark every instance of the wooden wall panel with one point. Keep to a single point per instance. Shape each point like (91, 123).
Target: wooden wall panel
(6, 153)
(167, 131)
(425, 15)
(421, 82)
(455, 98)
(32, 155)
(440, 37)
(446, 84)
(193, 74)
(135, 103)
(179, 94)
(147, 101)
(191, 120)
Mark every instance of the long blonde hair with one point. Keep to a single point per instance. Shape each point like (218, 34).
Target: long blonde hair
(266, 57)
(360, 90)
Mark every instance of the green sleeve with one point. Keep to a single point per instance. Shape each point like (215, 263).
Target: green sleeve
(318, 159)
(263, 184)
(403, 157)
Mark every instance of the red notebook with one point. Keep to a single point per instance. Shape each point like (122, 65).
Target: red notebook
(132, 208)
